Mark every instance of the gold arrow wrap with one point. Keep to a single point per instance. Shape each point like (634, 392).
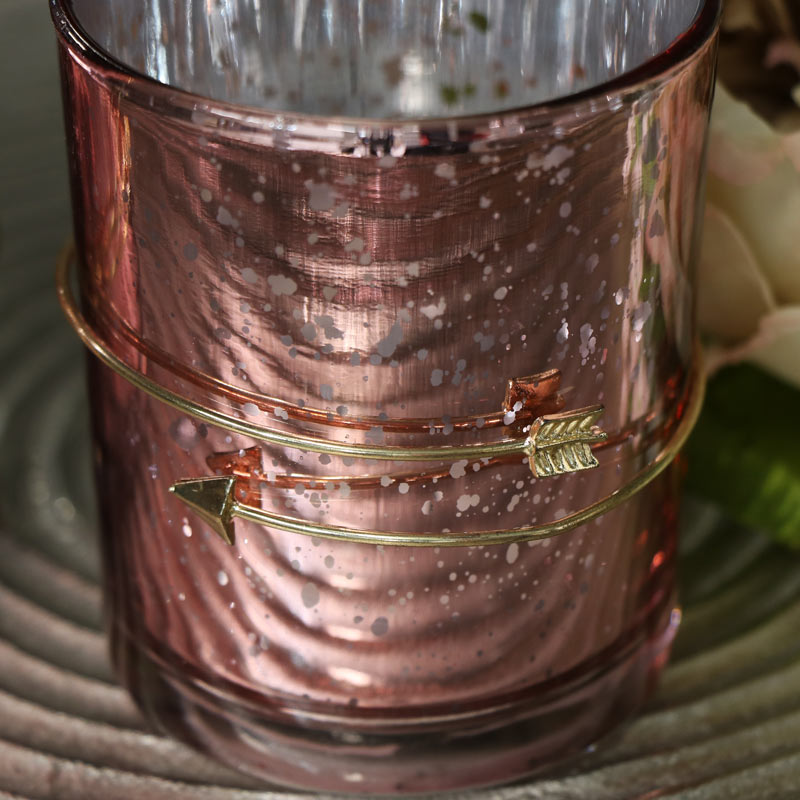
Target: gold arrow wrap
(556, 444)
(213, 499)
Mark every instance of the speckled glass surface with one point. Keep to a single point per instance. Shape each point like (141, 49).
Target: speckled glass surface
(376, 282)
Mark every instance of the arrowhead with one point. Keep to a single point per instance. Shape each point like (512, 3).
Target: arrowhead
(211, 499)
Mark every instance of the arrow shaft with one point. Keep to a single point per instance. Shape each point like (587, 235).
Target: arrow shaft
(219, 503)
(543, 530)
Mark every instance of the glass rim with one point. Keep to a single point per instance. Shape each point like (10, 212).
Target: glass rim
(678, 52)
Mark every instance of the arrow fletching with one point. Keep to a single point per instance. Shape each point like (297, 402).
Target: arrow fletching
(561, 443)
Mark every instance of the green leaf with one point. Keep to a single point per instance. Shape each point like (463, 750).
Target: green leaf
(744, 453)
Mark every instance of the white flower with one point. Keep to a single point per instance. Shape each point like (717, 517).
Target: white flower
(749, 271)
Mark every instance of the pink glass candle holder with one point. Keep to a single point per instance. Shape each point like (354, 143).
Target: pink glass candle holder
(381, 270)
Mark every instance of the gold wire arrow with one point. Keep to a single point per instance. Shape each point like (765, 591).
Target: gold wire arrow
(556, 444)
(565, 440)
(214, 500)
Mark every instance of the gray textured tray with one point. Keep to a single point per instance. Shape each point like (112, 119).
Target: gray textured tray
(725, 724)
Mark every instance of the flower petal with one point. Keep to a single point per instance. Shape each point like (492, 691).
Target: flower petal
(732, 292)
(767, 214)
(760, 192)
(775, 347)
(743, 148)
(740, 15)
(791, 144)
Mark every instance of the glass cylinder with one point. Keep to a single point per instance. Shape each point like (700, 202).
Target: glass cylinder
(370, 225)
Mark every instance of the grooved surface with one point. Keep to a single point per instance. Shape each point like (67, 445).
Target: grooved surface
(725, 723)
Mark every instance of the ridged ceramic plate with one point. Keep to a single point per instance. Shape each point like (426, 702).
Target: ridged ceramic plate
(725, 723)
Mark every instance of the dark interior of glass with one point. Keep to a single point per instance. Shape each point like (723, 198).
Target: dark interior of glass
(384, 58)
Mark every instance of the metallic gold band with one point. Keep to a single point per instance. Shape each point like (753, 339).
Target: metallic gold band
(214, 500)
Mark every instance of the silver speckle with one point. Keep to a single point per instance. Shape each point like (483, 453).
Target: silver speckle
(280, 284)
(380, 626)
(224, 217)
(512, 554)
(445, 170)
(321, 196)
(310, 595)
(388, 345)
(458, 470)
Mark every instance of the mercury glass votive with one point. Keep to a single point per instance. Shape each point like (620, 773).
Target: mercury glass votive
(397, 299)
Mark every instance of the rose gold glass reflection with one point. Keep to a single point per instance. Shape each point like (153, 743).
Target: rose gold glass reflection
(379, 282)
